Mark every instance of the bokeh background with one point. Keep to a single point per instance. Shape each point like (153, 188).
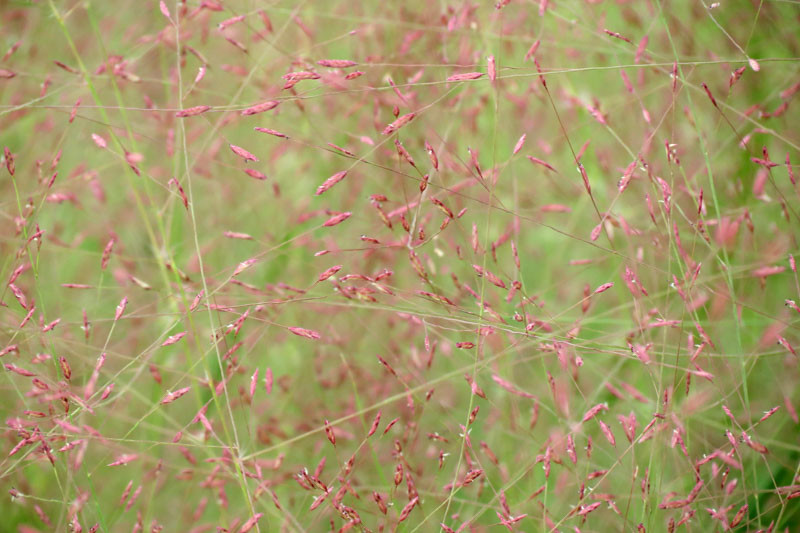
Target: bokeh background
(565, 284)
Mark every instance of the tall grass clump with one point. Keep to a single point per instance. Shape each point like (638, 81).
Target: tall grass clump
(399, 266)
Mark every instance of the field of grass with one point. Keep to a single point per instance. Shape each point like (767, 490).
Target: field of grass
(399, 266)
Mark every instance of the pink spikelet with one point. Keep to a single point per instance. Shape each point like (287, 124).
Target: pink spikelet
(510, 387)
(640, 49)
(402, 152)
(184, 198)
(518, 146)
(329, 272)
(268, 380)
(432, 155)
(14, 47)
(710, 96)
(336, 63)
(789, 168)
(769, 413)
(174, 338)
(585, 177)
(491, 68)
(230, 22)
(11, 367)
(389, 425)
(307, 333)
(253, 383)
(337, 219)
(52, 324)
(375, 423)
(255, 174)
(124, 459)
(466, 76)
(617, 36)
(603, 288)
(330, 182)
(9, 349)
(532, 50)
(300, 75)
(107, 392)
(735, 76)
(193, 111)
(642, 353)
(260, 108)
(272, 132)
(329, 433)
(596, 232)
(86, 328)
(165, 11)
(172, 396)
(609, 435)
(19, 295)
(586, 509)
(74, 112)
(786, 344)
(196, 300)
(241, 152)
(99, 141)
(107, 253)
(251, 523)
(244, 265)
(408, 508)
(237, 235)
(538, 161)
(571, 450)
(399, 123)
(121, 308)
(18, 272)
(493, 279)
(591, 413)
(133, 158)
